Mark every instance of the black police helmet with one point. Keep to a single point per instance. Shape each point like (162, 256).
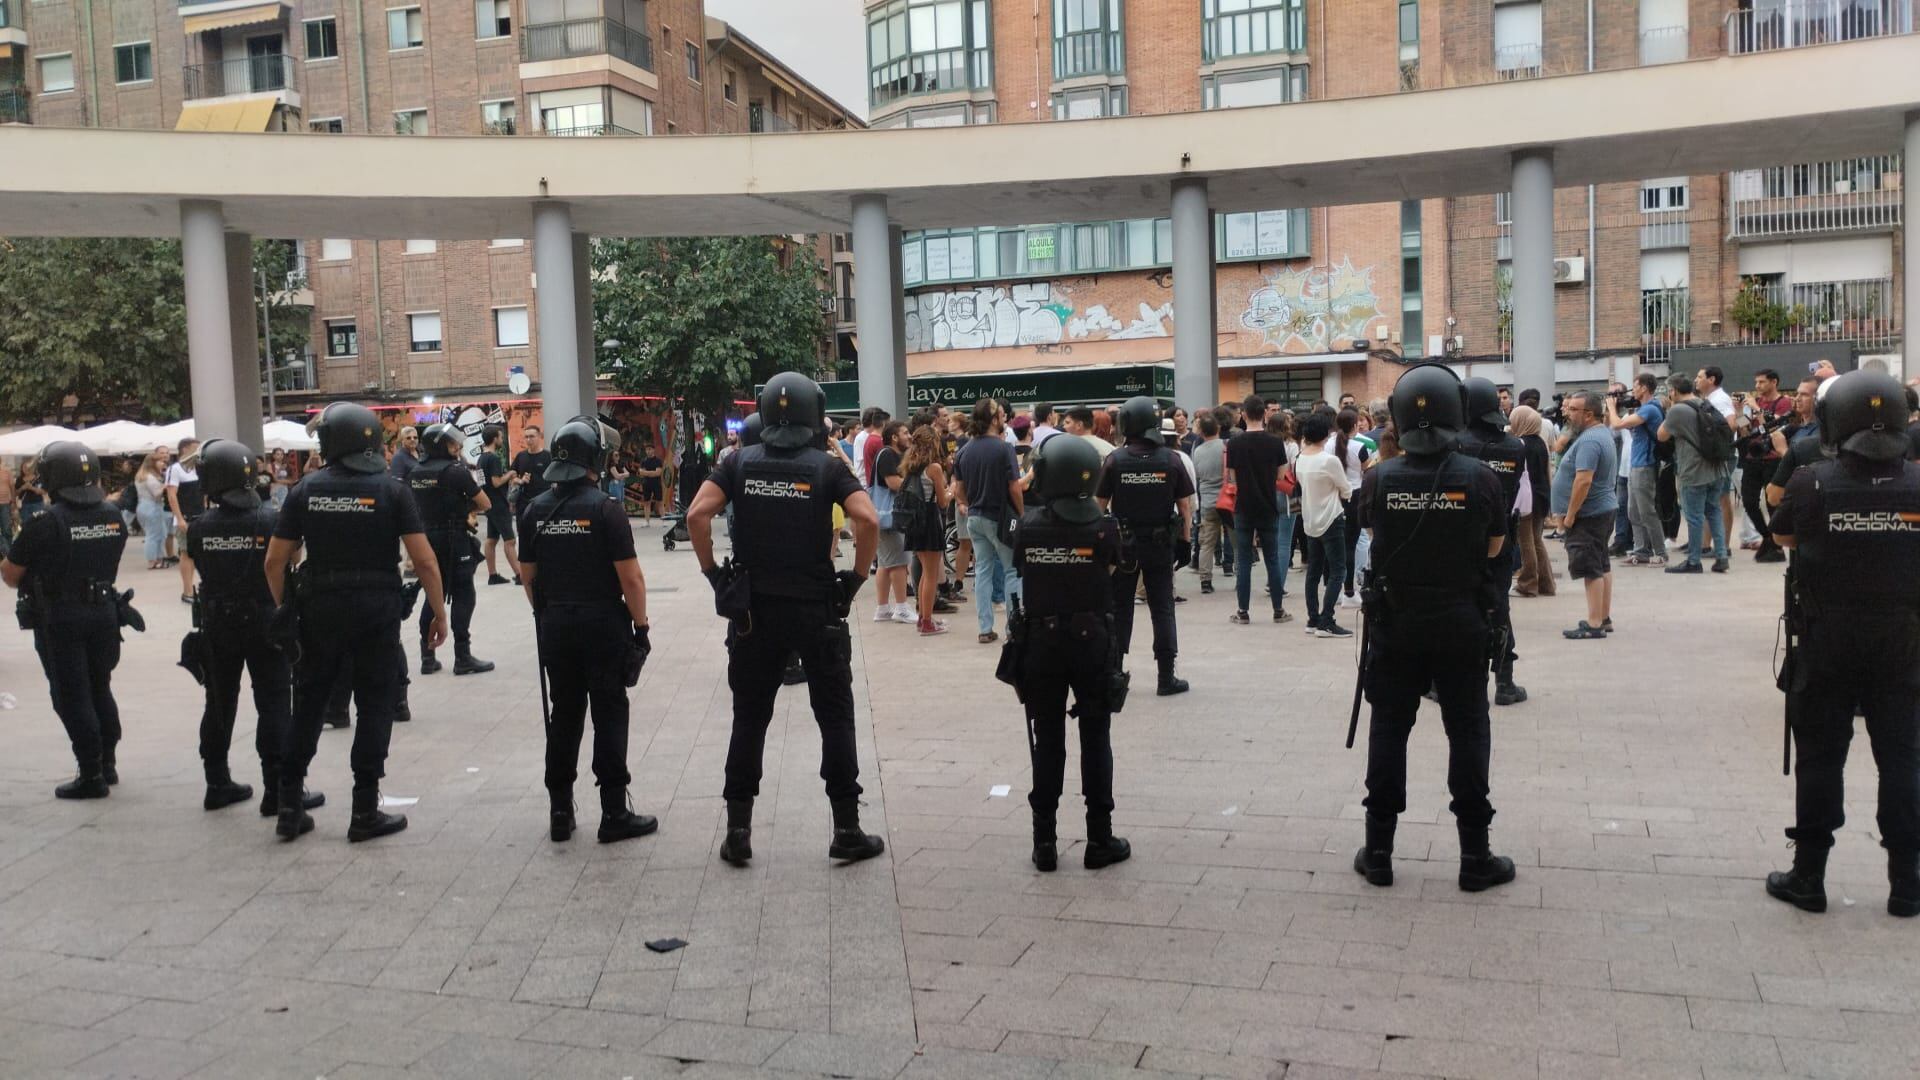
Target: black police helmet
(1429, 408)
(226, 473)
(750, 430)
(1483, 403)
(794, 409)
(1065, 472)
(579, 447)
(1866, 414)
(70, 471)
(1139, 418)
(441, 440)
(350, 437)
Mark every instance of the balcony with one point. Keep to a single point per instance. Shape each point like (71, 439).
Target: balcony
(1768, 312)
(1512, 62)
(920, 73)
(1851, 195)
(586, 37)
(1666, 321)
(1664, 229)
(13, 104)
(1087, 52)
(1794, 24)
(762, 119)
(588, 132)
(843, 312)
(1663, 45)
(275, 74)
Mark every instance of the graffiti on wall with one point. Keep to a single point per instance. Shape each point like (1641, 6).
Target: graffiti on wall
(1314, 308)
(1152, 323)
(1001, 316)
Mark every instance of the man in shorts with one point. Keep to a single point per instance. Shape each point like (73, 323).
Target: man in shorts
(653, 494)
(1585, 502)
(496, 481)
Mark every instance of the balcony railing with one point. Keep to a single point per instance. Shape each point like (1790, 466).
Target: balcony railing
(1767, 312)
(1666, 321)
(1851, 195)
(1793, 24)
(1663, 44)
(1088, 52)
(844, 311)
(13, 105)
(1517, 61)
(1664, 229)
(1409, 75)
(761, 119)
(246, 75)
(587, 132)
(586, 37)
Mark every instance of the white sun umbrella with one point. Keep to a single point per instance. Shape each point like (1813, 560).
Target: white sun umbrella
(31, 441)
(287, 435)
(118, 437)
(171, 434)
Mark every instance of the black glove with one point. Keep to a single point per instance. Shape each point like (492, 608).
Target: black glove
(284, 630)
(717, 577)
(1182, 553)
(846, 587)
(637, 656)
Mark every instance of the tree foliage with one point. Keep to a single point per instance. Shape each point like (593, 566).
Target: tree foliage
(700, 320)
(97, 328)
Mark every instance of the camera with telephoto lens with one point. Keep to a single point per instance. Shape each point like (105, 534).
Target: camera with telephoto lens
(1556, 414)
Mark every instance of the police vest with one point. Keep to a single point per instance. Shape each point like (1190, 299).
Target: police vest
(85, 558)
(1858, 540)
(1430, 523)
(1064, 568)
(1143, 486)
(230, 553)
(568, 527)
(442, 506)
(1504, 454)
(783, 521)
(352, 522)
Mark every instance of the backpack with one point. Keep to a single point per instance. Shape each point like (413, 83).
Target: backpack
(1716, 438)
(910, 505)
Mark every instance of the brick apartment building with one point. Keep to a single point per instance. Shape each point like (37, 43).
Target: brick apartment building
(1316, 301)
(399, 319)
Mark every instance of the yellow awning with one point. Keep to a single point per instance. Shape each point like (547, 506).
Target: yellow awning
(221, 20)
(249, 115)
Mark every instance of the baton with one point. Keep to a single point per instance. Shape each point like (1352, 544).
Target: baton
(540, 661)
(1360, 680)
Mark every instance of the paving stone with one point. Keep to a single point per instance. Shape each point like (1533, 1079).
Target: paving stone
(842, 1055)
(728, 1043)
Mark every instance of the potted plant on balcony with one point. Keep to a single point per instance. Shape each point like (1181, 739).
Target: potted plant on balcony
(1760, 316)
(1503, 306)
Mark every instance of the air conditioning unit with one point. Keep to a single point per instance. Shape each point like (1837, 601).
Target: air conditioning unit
(829, 303)
(1569, 270)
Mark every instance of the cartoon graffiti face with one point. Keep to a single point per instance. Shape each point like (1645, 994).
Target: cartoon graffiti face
(1265, 310)
(472, 421)
(963, 313)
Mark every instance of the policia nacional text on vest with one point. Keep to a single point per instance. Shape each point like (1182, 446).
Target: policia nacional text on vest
(447, 493)
(780, 593)
(1150, 494)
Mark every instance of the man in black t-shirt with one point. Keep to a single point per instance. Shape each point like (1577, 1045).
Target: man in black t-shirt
(530, 469)
(497, 483)
(1256, 456)
(651, 474)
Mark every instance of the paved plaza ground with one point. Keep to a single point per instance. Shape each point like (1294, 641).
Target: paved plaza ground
(1639, 791)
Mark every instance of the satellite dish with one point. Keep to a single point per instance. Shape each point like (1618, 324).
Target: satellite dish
(518, 383)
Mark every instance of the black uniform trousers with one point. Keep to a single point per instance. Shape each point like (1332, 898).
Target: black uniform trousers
(757, 650)
(79, 647)
(341, 693)
(232, 647)
(1753, 484)
(358, 627)
(1500, 570)
(1866, 663)
(1443, 648)
(456, 577)
(1152, 560)
(1058, 660)
(585, 650)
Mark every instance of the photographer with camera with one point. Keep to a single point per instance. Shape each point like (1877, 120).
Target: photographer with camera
(1640, 414)
(1759, 415)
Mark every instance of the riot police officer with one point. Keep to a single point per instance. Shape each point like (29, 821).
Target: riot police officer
(1437, 517)
(233, 607)
(1486, 438)
(64, 563)
(1066, 550)
(1150, 494)
(589, 599)
(346, 607)
(780, 593)
(446, 493)
(1854, 526)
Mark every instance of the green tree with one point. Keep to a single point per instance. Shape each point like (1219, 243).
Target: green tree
(97, 328)
(700, 320)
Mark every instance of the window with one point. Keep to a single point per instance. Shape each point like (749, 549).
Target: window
(1669, 193)
(1247, 27)
(423, 332)
(343, 337)
(1295, 389)
(422, 247)
(1503, 208)
(1263, 86)
(1087, 38)
(1663, 30)
(492, 18)
(133, 63)
(332, 125)
(693, 60)
(988, 254)
(323, 39)
(498, 117)
(1413, 341)
(335, 250)
(927, 47)
(589, 118)
(1265, 234)
(1092, 102)
(1409, 29)
(1516, 40)
(410, 122)
(503, 243)
(510, 328)
(56, 73)
(406, 29)
(730, 89)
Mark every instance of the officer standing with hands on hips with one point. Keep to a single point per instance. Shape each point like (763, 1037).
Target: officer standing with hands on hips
(346, 606)
(64, 563)
(233, 609)
(1487, 440)
(1853, 524)
(590, 614)
(1150, 494)
(1066, 550)
(446, 493)
(780, 594)
(1437, 517)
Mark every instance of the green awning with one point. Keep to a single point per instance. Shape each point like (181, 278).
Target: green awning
(1096, 385)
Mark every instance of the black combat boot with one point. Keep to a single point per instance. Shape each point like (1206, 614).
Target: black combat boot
(1170, 683)
(1804, 886)
(560, 815)
(737, 848)
(294, 821)
(90, 784)
(465, 663)
(1046, 853)
(369, 822)
(617, 819)
(1509, 694)
(1104, 848)
(428, 662)
(270, 798)
(849, 843)
(1903, 874)
(1375, 860)
(402, 712)
(222, 792)
(1480, 868)
(108, 767)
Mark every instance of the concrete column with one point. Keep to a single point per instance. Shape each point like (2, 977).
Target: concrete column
(583, 313)
(1196, 367)
(1533, 344)
(897, 310)
(1910, 285)
(877, 294)
(556, 305)
(244, 317)
(203, 258)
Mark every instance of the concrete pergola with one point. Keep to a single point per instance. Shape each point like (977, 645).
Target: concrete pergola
(216, 191)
